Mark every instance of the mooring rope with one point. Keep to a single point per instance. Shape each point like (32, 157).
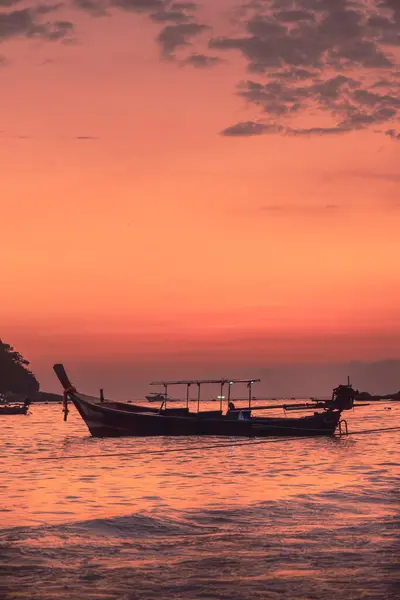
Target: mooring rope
(371, 431)
(209, 447)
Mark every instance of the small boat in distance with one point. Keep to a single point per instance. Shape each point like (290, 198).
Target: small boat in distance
(114, 419)
(158, 397)
(14, 408)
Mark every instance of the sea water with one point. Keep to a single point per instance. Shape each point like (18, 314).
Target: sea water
(181, 518)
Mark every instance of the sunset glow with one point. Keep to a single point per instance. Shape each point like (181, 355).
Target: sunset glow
(138, 229)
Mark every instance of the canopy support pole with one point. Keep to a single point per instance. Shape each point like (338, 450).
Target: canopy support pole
(187, 395)
(221, 395)
(198, 397)
(166, 395)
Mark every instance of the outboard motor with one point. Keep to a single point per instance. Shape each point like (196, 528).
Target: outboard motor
(343, 397)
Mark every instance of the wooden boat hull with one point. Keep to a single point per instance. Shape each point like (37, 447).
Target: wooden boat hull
(111, 420)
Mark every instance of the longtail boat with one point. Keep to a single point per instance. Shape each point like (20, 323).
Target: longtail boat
(105, 418)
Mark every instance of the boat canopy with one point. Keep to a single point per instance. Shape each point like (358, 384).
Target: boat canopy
(200, 382)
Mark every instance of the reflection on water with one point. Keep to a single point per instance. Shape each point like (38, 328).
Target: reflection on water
(301, 518)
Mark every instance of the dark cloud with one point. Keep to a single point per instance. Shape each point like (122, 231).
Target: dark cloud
(86, 137)
(393, 6)
(139, 5)
(335, 58)
(173, 36)
(379, 22)
(16, 22)
(318, 56)
(250, 128)
(180, 25)
(97, 8)
(4, 3)
(278, 98)
(177, 12)
(385, 83)
(184, 6)
(293, 16)
(291, 97)
(201, 61)
(356, 53)
(317, 131)
(293, 74)
(395, 135)
(26, 22)
(372, 99)
(334, 35)
(56, 30)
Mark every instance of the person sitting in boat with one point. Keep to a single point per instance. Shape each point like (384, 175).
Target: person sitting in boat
(240, 414)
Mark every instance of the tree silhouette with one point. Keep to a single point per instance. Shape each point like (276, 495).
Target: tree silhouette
(14, 374)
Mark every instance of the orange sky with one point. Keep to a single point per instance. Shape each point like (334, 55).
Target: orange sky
(158, 240)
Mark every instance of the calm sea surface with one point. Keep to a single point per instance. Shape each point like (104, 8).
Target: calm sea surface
(286, 519)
